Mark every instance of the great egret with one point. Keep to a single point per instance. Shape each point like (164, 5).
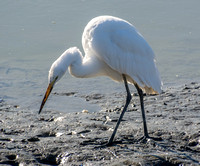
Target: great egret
(114, 48)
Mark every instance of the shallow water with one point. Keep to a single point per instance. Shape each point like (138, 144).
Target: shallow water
(34, 33)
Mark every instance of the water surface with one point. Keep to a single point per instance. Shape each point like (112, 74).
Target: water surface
(34, 33)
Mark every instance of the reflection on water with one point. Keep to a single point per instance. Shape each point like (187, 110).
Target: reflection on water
(34, 33)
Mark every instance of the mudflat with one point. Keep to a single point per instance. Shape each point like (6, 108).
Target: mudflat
(55, 138)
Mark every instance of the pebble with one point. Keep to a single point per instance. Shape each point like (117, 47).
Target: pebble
(85, 111)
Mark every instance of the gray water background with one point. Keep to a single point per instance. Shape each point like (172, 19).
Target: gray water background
(33, 34)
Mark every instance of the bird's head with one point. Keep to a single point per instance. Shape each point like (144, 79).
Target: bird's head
(58, 69)
(56, 72)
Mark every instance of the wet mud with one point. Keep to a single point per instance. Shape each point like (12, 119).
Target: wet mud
(55, 138)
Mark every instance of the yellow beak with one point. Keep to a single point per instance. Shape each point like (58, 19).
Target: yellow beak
(48, 91)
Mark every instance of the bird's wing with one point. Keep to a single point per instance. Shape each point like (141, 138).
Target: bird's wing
(126, 51)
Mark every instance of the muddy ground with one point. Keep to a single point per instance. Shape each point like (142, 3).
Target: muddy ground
(54, 138)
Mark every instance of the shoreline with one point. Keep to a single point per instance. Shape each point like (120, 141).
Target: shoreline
(57, 138)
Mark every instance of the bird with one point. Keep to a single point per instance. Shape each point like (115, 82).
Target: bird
(112, 47)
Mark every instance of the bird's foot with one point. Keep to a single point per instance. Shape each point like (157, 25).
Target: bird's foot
(105, 144)
(143, 139)
(109, 143)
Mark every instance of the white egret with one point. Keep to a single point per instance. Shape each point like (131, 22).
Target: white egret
(114, 48)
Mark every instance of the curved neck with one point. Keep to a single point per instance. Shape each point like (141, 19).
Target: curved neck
(82, 67)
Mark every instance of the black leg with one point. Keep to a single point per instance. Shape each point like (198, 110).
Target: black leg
(146, 135)
(128, 99)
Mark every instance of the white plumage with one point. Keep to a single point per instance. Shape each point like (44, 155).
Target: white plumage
(117, 44)
(113, 47)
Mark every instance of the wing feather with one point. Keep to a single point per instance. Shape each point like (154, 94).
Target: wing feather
(124, 49)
